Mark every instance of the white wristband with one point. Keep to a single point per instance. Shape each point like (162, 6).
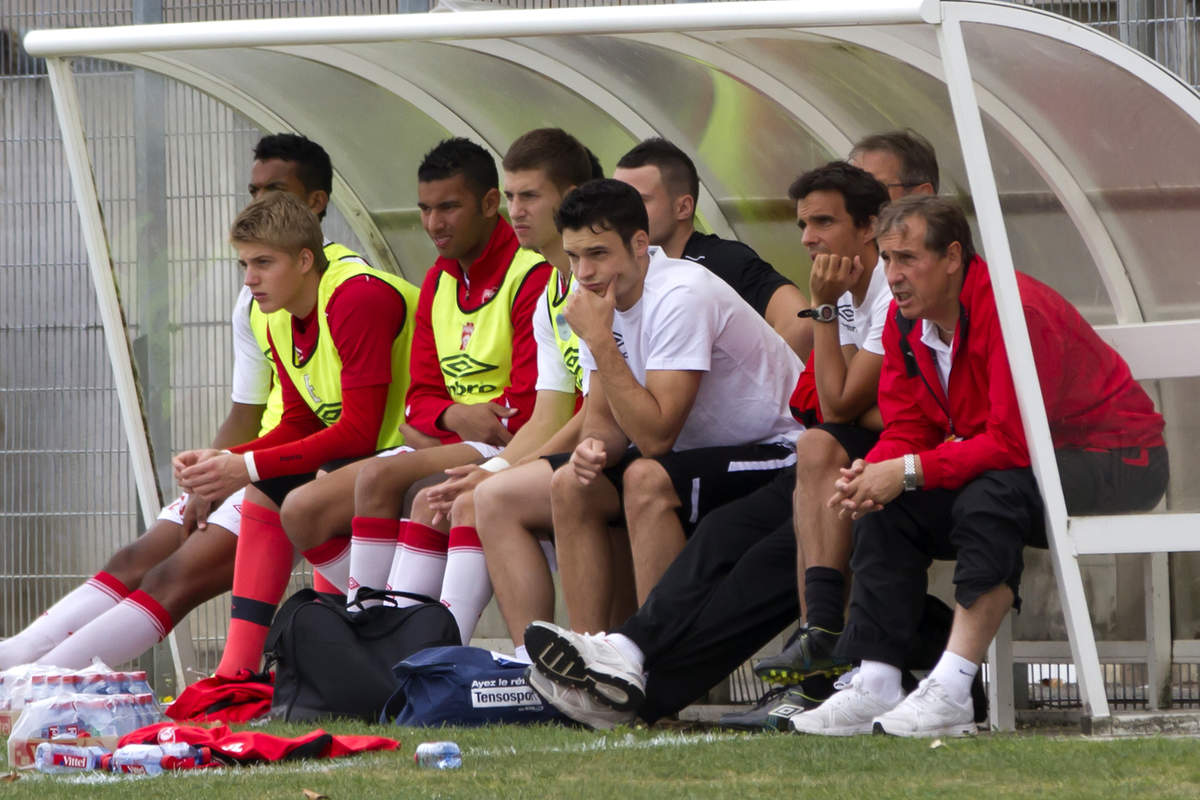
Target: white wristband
(251, 469)
(495, 464)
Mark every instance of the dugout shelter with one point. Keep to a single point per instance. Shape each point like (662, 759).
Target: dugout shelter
(1078, 156)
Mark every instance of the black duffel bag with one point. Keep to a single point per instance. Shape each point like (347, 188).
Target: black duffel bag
(334, 661)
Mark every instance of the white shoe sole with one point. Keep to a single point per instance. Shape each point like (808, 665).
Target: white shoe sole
(967, 729)
(557, 658)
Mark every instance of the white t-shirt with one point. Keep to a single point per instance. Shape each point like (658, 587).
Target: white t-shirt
(689, 319)
(251, 367)
(941, 351)
(862, 326)
(553, 374)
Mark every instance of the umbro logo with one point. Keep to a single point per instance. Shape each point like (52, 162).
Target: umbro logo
(846, 312)
(461, 365)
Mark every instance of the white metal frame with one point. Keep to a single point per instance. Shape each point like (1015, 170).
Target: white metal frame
(489, 31)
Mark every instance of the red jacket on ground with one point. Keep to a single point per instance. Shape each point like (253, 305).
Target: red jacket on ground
(1092, 401)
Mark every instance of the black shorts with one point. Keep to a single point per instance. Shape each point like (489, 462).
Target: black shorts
(707, 477)
(856, 440)
(277, 488)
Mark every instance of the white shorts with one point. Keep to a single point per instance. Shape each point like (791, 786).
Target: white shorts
(485, 450)
(228, 515)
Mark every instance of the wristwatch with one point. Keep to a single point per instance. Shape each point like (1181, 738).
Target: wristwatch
(910, 473)
(822, 313)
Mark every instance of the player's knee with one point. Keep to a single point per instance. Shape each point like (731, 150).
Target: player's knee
(818, 453)
(648, 488)
(462, 511)
(300, 515)
(565, 488)
(379, 480)
(422, 512)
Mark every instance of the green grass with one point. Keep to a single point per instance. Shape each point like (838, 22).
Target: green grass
(663, 763)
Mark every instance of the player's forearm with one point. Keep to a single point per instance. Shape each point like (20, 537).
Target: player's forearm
(550, 412)
(634, 409)
(240, 425)
(830, 372)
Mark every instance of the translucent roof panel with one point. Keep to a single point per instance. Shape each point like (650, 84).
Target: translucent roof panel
(1136, 157)
(1094, 147)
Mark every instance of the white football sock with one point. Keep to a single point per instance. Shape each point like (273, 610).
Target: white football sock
(466, 586)
(521, 654)
(121, 634)
(881, 680)
(372, 548)
(80, 606)
(332, 560)
(956, 674)
(420, 562)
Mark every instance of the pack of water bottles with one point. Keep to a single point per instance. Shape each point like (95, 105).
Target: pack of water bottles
(90, 707)
(140, 759)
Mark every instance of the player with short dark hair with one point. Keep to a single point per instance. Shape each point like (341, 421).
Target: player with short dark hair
(474, 373)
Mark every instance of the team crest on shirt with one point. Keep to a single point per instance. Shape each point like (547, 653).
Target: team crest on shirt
(467, 332)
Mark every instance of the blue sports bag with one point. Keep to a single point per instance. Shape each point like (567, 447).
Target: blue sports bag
(464, 686)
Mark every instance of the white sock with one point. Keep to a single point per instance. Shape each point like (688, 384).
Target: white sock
(881, 680)
(372, 548)
(466, 586)
(80, 606)
(332, 560)
(521, 654)
(628, 648)
(121, 634)
(420, 562)
(956, 674)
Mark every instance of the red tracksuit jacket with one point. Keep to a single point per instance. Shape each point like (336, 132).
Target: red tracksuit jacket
(1092, 401)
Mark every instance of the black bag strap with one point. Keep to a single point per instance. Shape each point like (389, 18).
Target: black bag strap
(366, 593)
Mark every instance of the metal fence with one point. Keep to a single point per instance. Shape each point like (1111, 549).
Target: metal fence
(171, 166)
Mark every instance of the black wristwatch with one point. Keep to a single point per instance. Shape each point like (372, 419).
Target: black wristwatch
(822, 313)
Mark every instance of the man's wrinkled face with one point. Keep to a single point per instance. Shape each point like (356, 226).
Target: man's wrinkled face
(920, 278)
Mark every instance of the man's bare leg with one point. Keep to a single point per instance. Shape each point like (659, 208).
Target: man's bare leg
(581, 517)
(655, 532)
(199, 570)
(823, 539)
(122, 575)
(510, 508)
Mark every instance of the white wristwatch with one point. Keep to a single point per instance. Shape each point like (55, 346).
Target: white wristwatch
(910, 473)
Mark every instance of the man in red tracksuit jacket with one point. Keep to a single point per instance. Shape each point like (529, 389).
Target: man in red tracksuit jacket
(950, 477)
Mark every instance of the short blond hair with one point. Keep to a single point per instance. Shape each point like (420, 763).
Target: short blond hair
(282, 221)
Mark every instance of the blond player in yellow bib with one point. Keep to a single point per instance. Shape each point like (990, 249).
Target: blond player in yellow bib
(186, 556)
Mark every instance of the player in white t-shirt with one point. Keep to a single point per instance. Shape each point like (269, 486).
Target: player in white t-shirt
(683, 374)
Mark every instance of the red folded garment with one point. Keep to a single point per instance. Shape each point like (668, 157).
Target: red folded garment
(248, 747)
(217, 699)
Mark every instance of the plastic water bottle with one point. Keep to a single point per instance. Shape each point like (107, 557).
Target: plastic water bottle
(438, 755)
(154, 759)
(59, 758)
(138, 684)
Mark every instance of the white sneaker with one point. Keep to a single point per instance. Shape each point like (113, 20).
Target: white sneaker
(846, 713)
(928, 711)
(586, 661)
(576, 703)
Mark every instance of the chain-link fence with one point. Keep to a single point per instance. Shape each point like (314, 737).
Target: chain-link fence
(171, 167)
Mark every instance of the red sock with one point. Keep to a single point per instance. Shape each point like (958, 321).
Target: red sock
(260, 576)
